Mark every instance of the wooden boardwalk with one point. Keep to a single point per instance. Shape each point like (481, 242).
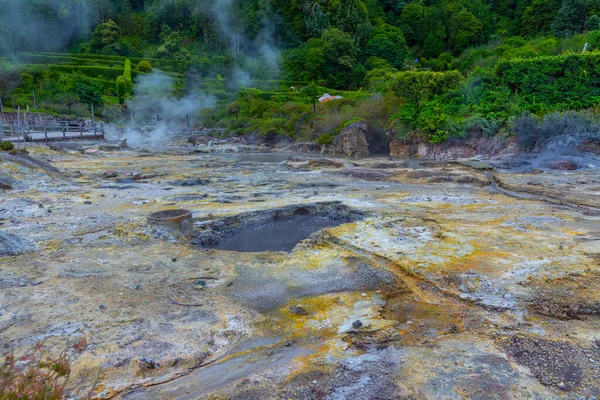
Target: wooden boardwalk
(53, 131)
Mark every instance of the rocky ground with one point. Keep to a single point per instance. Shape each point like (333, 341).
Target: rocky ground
(449, 280)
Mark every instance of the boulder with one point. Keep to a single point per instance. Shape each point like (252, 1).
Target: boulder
(351, 142)
(11, 245)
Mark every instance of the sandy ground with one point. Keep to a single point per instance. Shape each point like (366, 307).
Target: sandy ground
(467, 282)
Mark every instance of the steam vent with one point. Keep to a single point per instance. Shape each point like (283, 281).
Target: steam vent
(308, 200)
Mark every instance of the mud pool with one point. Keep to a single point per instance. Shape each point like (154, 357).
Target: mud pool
(306, 278)
(277, 235)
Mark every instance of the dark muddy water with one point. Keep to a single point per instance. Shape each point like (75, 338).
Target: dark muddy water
(278, 235)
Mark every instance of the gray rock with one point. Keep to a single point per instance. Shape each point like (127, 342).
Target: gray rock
(6, 183)
(351, 142)
(11, 245)
(298, 310)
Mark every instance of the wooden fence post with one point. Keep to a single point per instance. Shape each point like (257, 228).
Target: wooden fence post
(46, 131)
(64, 129)
(81, 128)
(93, 121)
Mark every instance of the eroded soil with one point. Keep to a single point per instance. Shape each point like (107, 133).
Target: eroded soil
(457, 282)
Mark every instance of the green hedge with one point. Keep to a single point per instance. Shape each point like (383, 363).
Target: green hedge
(91, 71)
(98, 59)
(571, 81)
(422, 85)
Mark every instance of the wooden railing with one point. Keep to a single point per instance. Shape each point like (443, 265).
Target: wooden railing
(49, 130)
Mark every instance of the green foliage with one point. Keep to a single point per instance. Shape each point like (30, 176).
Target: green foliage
(538, 17)
(432, 47)
(550, 83)
(94, 60)
(121, 88)
(387, 42)
(466, 30)
(422, 85)
(10, 77)
(594, 40)
(313, 93)
(124, 83)
(6, 146)
(593, 23)
(325, 138)
(88, 91)
(534, 132)
(570, 18)
(337, 44)
(106, 39)
(172, 49)
(144, 66)
(127, 71)
(380, 79)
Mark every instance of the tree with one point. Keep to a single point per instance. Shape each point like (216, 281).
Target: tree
(171, 47)
(313, 93)
(340, 57)
(316, 21)
(432, 47)
(10, 78)
(570, 19)
(465, 31)
(537, 18)
(106, 39)
(594, 40)
(126, 18)
(387, 42)
(6, 41)
(593, 23)
(411, 22)
(348, 14)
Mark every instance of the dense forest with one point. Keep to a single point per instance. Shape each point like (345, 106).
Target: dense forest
(434, 68)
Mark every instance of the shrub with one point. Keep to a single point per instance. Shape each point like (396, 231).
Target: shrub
(6, 146)
(489, 127)
(121, 89)
(422, 85)
(144, 66)
(40, 375)
(127, 70)
(325, 139)
(566, 81)
(534, 133)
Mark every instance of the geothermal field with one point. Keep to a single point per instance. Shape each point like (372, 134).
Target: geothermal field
(295, 275)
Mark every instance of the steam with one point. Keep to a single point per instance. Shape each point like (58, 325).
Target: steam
(155, 106)
(229, 20)
(51, 25)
